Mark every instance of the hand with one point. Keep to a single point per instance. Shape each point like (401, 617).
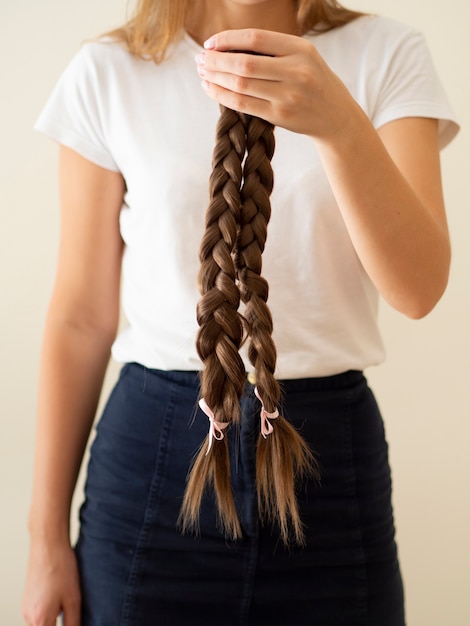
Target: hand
(286, 81)
(52, 586)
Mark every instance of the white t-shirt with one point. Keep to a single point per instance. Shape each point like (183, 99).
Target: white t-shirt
(155, 125)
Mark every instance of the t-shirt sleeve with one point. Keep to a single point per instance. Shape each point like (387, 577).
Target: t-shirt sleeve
(410, 87)
(74, 113)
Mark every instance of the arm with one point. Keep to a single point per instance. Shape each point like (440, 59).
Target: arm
(387, 184)
(394, 209)
(80, 327)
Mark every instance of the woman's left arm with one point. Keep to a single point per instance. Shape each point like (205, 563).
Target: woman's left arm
(388, 188)
(387, 183)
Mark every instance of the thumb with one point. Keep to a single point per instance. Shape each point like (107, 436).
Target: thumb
(71, 614)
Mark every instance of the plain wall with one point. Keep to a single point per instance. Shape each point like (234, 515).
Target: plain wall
(423, 388)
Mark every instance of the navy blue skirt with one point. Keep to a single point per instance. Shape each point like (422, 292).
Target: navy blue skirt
(137, 569)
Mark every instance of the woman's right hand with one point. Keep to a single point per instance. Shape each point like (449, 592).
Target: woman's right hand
(52, 585)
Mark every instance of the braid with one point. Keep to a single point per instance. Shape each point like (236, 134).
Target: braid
(283, 456)
(221, 326)
(234, 239)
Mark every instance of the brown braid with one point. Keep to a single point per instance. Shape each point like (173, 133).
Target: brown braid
(231, 248)
(221, 326)
(283, 456)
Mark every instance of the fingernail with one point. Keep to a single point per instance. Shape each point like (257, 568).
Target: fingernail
(209, 44)
(205, 85)
(200, 58)
(201, 71)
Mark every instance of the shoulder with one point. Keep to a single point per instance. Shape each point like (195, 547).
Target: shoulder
(366, 33)
(373, 48)
(367, 26)
(106, 61)
(379, 25)
(388, 67)
(102, 69)
(102, 56)
(107, 52)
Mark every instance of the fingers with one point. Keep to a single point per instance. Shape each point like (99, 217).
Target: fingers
(244, 82)
(71, 613)
(240, 64)
(71, 607)
(270, 62)
(241, 82)
(239, 102)
(263, 42)
(263, 75)
(38, 616)
(285, 82)
(228, 79)
(70, 616)
(52, 586)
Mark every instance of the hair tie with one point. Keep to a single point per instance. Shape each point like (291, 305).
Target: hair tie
(266, 426)
(215, 428)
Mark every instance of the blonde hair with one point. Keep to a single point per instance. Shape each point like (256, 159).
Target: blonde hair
(155, 24)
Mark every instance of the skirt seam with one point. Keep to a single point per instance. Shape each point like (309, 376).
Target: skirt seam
(152, 500)
(362, 574)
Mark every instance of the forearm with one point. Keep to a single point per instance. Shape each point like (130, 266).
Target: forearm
(73, 365)
(403, 246)
(388, 188)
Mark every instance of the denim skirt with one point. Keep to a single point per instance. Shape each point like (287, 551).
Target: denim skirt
(137, 569)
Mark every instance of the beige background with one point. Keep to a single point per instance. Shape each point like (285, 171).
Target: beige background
(423, 388)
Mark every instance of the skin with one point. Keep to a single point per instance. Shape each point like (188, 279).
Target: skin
(394, 213)
(80, 327)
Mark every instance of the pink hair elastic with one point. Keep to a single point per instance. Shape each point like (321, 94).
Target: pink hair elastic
(266, 426)
(216, 428)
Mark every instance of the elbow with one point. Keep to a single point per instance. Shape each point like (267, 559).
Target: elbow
(418, 303)
(420, 310)
(418, 278)
(416, 308)
(418, 295)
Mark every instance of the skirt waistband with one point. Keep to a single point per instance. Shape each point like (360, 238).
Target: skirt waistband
(344, 380)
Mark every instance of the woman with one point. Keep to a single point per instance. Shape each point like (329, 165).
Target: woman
(357, 210)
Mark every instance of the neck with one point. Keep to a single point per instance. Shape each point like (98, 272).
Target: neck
(208, 17)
